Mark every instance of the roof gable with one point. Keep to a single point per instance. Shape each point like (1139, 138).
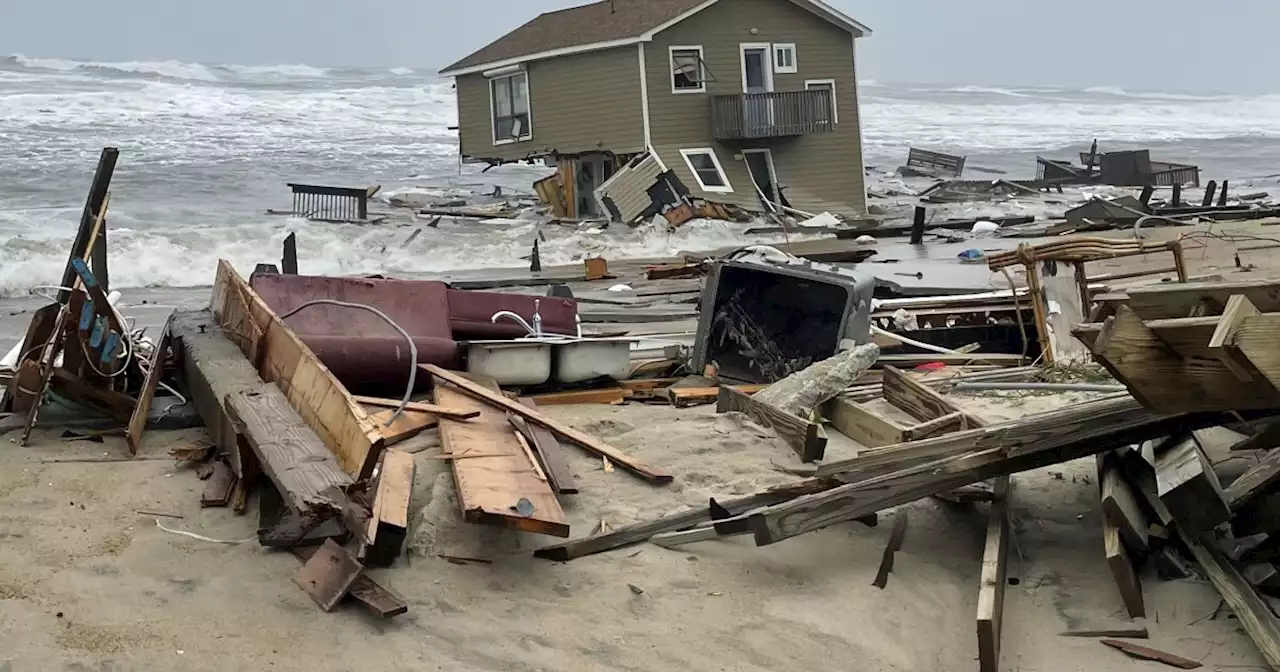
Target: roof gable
(601, 25)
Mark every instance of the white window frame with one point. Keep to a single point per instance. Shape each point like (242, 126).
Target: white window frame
(835, 105)
(795, 58)
(526, 134)
(726, 189)
(702, 70)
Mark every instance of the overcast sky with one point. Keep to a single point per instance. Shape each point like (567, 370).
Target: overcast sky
(1152, 44)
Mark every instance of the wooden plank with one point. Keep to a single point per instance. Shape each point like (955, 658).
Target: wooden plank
(684, 397)
(1146, 365)
(291, 455)
(328, 575)
(918, 399)
(1126, 632)
(118, 406)
(862, 424)
(1120, 504)
(1188, 486)
(1266, 437)
(282, 358)
(1178, 300)
(217, 490)
(389, 524)
(1148, 653)
(1251, 611)
(805, 437)
(891, 548)
(547, 447)
(406, 426)
(432, 409)
(999, 450)
(1253, 346)
(155, 371)
(1238, 308)
(645, 530)
(946, 424)
(1254, 482)
(1122, 570)
(952, 360)
(578, 437)
(995, 563)
(613, 395)
(497, 482)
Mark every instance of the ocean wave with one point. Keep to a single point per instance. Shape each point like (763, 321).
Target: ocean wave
(168, 69)
(1119, 92)
(1012, 93)
(297, 70)
(402, 72)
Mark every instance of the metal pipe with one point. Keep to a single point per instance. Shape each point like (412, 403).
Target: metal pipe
(1047, 387)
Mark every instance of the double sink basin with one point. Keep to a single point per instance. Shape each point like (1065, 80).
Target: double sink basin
(533, 361)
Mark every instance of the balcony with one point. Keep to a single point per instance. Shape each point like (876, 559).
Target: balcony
(771, 115)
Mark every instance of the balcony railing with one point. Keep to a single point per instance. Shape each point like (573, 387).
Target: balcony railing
(771, 115)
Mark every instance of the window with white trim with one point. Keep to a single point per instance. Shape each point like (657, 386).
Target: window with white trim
(706, 168)
(830, 85)
(509, 104)
(784, 58)
(687, 72)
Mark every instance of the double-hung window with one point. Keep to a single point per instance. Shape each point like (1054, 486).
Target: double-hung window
(509, 101)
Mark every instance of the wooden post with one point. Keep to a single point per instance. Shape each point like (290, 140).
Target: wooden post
(98, 259)
(92, 206)
(289, 262)
(1177, 195)
(1209, 192)
(1039, 312)
(1147, 192)
(917, 226)
(1222, 196)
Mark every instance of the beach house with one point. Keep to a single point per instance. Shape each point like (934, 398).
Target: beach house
(646, 103)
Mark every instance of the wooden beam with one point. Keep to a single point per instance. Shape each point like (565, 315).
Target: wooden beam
(1188, 486)
(645, 530)
(684, 397)
(1254, 347)
(389, 524)
(498, 482)
(548, 449)
(1254, 482)
(804, 437)
(282, 358)
(1137, 357)
(452, 413)
(1122, 570)
(1120, 504)
(953, 360)
(118, 406)
(1259, 622)
(613, 395)
(577, 436)
(952, 422)
(1221, 344)
(995, 563)
(999, 450)
(1178, 300)
(406, 426)
(891, 548)
(155, 371)
(292, 456)
(862, 424)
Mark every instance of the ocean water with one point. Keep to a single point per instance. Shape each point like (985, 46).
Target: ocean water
(207, 149)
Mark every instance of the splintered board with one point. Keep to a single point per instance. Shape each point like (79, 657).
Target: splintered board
(282, 358)
(494, 472)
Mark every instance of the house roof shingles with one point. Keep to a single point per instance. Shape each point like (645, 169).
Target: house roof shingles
(603, 21)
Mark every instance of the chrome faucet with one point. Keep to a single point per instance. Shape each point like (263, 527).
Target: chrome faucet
(535, 330)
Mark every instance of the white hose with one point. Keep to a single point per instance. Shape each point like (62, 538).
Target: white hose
(918, 344)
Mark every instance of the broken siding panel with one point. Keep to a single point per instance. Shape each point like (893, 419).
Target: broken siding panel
(580, 103)
(628, 189)
(823, 168)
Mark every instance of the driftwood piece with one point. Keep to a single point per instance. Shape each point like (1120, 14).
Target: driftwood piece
(802, 392)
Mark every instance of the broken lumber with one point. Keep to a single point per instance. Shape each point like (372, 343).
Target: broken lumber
(328, 575)
(613, 395)
(432, 409)
(684, 397)
(1125, 632)
(578, 437)
(1148, 653)
(1120, 504)
(1122, 569)
(896, 537)
(919, 400)
(1259, 622)
(802, 392)
(292, 456)
(1189, 487)
(995, 567)
(405, 426)
(862, 424)
(1179, 300)
(805, 437)
(498, 483)
(155, 371)
(548, 449)
(217, 491)
(389, 524)
(282, 358)
(1255, 481)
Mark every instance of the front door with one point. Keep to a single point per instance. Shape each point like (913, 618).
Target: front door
(757, 78)
(760, 163)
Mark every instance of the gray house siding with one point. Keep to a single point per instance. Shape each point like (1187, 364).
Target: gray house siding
(580, 103)
(820, 171)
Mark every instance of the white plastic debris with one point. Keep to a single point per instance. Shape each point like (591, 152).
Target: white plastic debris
(864, 239)
(825, 219)
(620, 288)
(984, 229)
